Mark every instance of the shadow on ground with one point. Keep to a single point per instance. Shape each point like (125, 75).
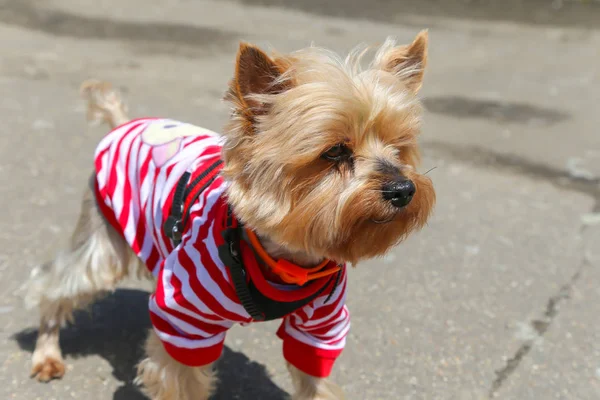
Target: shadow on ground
(501, 112)
(115, 328)
(580, 14)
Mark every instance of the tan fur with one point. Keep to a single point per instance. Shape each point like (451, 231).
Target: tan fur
(95, 261)
(318, 101)
(287, 111)
(163, 378)
(310, 388)
(104, 103)
(47, 361)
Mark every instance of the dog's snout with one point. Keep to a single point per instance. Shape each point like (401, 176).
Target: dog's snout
(399, 193)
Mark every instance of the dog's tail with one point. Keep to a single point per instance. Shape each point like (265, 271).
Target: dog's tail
(104, 103)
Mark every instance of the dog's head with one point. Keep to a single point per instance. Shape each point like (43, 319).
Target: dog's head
(321, 155)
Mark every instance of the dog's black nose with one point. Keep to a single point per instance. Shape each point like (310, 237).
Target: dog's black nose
(399, 193)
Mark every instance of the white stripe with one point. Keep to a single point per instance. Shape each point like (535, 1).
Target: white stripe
(340, 317)
(213, 252)
(102, 174)
(314, 322)
(110, 137)
(184, 343)
(124, 148)
(187, 293)
(202, 275)
(340, 336)
(340, 303)
(156, 216)
(190, 151)
(213, 288)
(337, 329)
(310, 340)
(339, 332)
(340, 290)
(146, 184)
(182, 325)
(188, 155)
(145, 200)
(130, 230)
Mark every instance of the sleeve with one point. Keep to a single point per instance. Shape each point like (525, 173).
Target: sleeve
(314, 336)
(185, 314)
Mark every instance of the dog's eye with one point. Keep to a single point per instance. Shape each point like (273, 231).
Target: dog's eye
(337, 153)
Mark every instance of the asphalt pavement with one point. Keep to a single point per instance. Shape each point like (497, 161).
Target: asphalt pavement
(499, 297)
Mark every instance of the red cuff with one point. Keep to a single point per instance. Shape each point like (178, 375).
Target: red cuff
(308, 359)
(194, 357)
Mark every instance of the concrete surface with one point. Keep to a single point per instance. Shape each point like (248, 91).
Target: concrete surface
(497, 298)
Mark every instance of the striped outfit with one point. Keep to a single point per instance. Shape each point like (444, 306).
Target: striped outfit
(195, 302)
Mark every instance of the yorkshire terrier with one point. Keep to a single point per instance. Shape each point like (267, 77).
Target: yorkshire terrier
(316, 168)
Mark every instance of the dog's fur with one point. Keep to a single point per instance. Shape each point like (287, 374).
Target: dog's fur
(287, 111)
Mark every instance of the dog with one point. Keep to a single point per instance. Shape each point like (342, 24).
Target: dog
(316, 169)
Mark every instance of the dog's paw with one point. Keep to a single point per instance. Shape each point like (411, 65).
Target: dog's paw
(47, 369)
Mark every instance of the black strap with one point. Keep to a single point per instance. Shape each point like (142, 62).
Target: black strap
(335, 285)
(229, 253)
(178, 218)
(256, 304)
(173, 227)
(276, 309)
(192, 188)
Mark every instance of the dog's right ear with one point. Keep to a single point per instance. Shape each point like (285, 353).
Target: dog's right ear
(407, 62)
(255, 74)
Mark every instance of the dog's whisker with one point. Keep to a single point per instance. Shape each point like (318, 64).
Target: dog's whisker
(429, 170)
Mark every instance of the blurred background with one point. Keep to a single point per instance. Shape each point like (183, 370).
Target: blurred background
(499, 297)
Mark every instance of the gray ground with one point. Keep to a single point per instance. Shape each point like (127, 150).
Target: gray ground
(499, 296)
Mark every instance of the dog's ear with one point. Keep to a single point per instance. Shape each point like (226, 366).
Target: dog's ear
(255, 74)
(406, 62)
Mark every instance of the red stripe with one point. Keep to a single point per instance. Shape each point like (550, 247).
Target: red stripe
(143, 224)
(165, 326)
(106, 211)
(200, 186)
(183, 302)
(98, 158)
(113, 178)
(203, 232)
(144, 168)
(166, 210)
(324, 334)
(153, 259)
(168, 327)
(302, 314)
(208, 299)
(195, 357)
(308, 359)
(138, 240)
(150, 212)
(325, 327)
(127, 200)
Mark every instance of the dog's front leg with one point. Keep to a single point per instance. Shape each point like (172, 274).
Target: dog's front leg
(163, 378)
(308, 387)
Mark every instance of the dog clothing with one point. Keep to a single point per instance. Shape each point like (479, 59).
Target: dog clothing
(137, 169)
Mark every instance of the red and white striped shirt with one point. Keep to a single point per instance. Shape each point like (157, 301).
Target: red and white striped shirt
(137, 168)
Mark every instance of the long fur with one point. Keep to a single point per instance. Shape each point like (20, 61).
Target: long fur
(163, 378)
(314, 102)
(96, 259)
(287, 110)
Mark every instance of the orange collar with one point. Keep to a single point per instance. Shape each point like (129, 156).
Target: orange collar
(287, 271)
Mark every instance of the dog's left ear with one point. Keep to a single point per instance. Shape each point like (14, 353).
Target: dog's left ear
(406, 62)
(255, 74)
